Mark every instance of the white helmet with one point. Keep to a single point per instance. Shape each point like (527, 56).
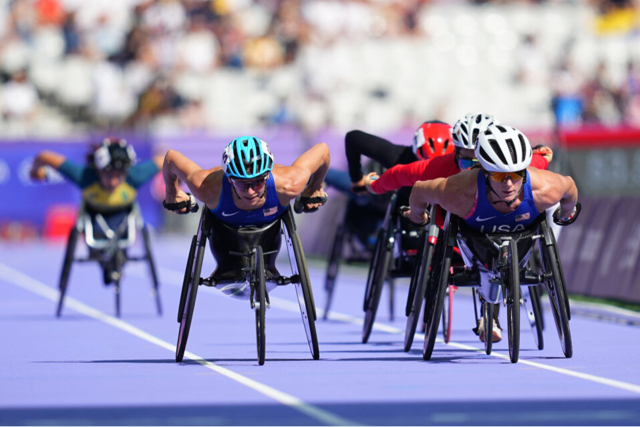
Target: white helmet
(503, 149)
(467, 129)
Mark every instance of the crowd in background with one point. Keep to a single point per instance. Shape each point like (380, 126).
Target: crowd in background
(68, 65)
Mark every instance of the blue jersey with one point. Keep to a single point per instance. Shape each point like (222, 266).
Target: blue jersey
(486, 219)
(230, 214)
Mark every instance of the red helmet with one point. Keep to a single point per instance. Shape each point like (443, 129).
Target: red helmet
(432, 139)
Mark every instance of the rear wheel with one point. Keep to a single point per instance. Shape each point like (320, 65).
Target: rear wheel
(533, 314)
(332, 267)
(152, 268)
(377, 276)
(261, 304)
(556, 290)
(190, 299)
(66, 267)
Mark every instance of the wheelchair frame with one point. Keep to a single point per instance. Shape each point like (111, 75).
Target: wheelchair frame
(255, 275)
(502, 281)
(111, 249)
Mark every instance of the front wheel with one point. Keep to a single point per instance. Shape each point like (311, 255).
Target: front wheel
(261, 305)
(447, 314)
(487, 319)
(66, 267)
(375, 283)
(152, 268)
(332, 268)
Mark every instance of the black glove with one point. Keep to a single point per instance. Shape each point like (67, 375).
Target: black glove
(300, 204)
(191, 205)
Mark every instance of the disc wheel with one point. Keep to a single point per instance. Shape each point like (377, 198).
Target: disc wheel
(66, 267)
(186, 314)
(375, 282)
(261, 304)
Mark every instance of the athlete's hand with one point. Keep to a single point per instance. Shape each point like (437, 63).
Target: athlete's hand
(368, 181)
(38, 173)
(544, 151)
(417, 218)
(313, 194)
(180, 196)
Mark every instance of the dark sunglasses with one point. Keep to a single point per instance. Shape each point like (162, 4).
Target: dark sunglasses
(245, 185)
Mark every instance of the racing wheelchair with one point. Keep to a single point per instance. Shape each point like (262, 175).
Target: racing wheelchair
(109, 246)
(394, 256)
(496, 269)
(246, 270)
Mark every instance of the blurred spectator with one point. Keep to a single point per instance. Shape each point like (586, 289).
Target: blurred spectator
(50, 12)
(566, 100)
(630, 96)
(600, 99)
(71, 34)
(198, 49)
(19, 98)
(159, 99)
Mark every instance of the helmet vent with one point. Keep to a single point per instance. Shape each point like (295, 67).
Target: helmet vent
(501, 128)
(496, 149)
(485, 156)
(523, 144)
(512, 150)
(446, 145)
(478, 118)
(431, 144)
(475, 135)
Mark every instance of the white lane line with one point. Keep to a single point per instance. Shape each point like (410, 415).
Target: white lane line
(28, 283)
(293, 306)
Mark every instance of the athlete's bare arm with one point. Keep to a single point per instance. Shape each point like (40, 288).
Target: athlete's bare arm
(455, 194)
(304, 177)
(550, 188)
(45, 158)
(204, 184)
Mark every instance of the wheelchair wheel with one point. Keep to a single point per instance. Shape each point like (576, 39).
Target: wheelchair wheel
(152, 268)
(392, 291)
(554, 248)
(435, 297)
(116, 287)
(557, 298)
(533, 314)
(332, 268)
(66, 267)
(487, 316)
(447, 314)
(261, 306)
(303, 289)
(186, 281)
(418, 289)
(186, 315)
(513, 302)
(377, 276)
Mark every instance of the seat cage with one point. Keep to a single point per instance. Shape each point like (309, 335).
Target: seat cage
(85, 224)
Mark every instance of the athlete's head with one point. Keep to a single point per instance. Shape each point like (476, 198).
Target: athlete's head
(112, 159)
(432, 139)
(465, 134)
(247, 162)
(504, 153)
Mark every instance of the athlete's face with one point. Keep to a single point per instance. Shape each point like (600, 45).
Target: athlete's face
(250, 191)
(111, 179)
(507, 185)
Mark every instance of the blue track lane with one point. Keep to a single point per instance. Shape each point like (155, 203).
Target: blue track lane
(89, 368)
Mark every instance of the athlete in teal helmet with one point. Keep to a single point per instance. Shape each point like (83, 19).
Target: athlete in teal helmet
(248, 188)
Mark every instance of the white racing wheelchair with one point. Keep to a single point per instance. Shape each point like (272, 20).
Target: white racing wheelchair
(109, 246)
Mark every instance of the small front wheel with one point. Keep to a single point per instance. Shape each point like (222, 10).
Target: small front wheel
(261, 305)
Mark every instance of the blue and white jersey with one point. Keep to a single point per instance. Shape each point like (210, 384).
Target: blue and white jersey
(230, 214)
(486, 219)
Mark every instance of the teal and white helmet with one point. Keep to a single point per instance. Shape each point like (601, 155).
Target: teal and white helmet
(247, 157)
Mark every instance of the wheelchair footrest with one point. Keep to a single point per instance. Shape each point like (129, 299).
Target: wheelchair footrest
(527, 277)
(282, 280)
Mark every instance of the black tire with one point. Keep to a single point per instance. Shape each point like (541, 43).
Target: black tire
(190, 300)
(487, 315)
(261, 291)
(392, 293)
(186, 281)
(377, 277)
(435, 298)
(152, 268)
(557, 298)
(561, 273)
(66, 267)
(536, 326)
(447, 314)
(536, 301)
(116, 287)
(303, 289)
(418, 289)
(513, 302)
(332, 268)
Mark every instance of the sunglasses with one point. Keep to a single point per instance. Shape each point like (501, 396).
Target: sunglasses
(245, 185)
(465, 164)
(502, 176)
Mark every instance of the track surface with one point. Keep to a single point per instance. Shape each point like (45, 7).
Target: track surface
(90, 368)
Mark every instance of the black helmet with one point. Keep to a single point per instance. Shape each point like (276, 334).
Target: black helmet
(114, 154)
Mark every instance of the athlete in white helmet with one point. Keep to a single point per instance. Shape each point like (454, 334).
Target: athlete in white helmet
(503, 194)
